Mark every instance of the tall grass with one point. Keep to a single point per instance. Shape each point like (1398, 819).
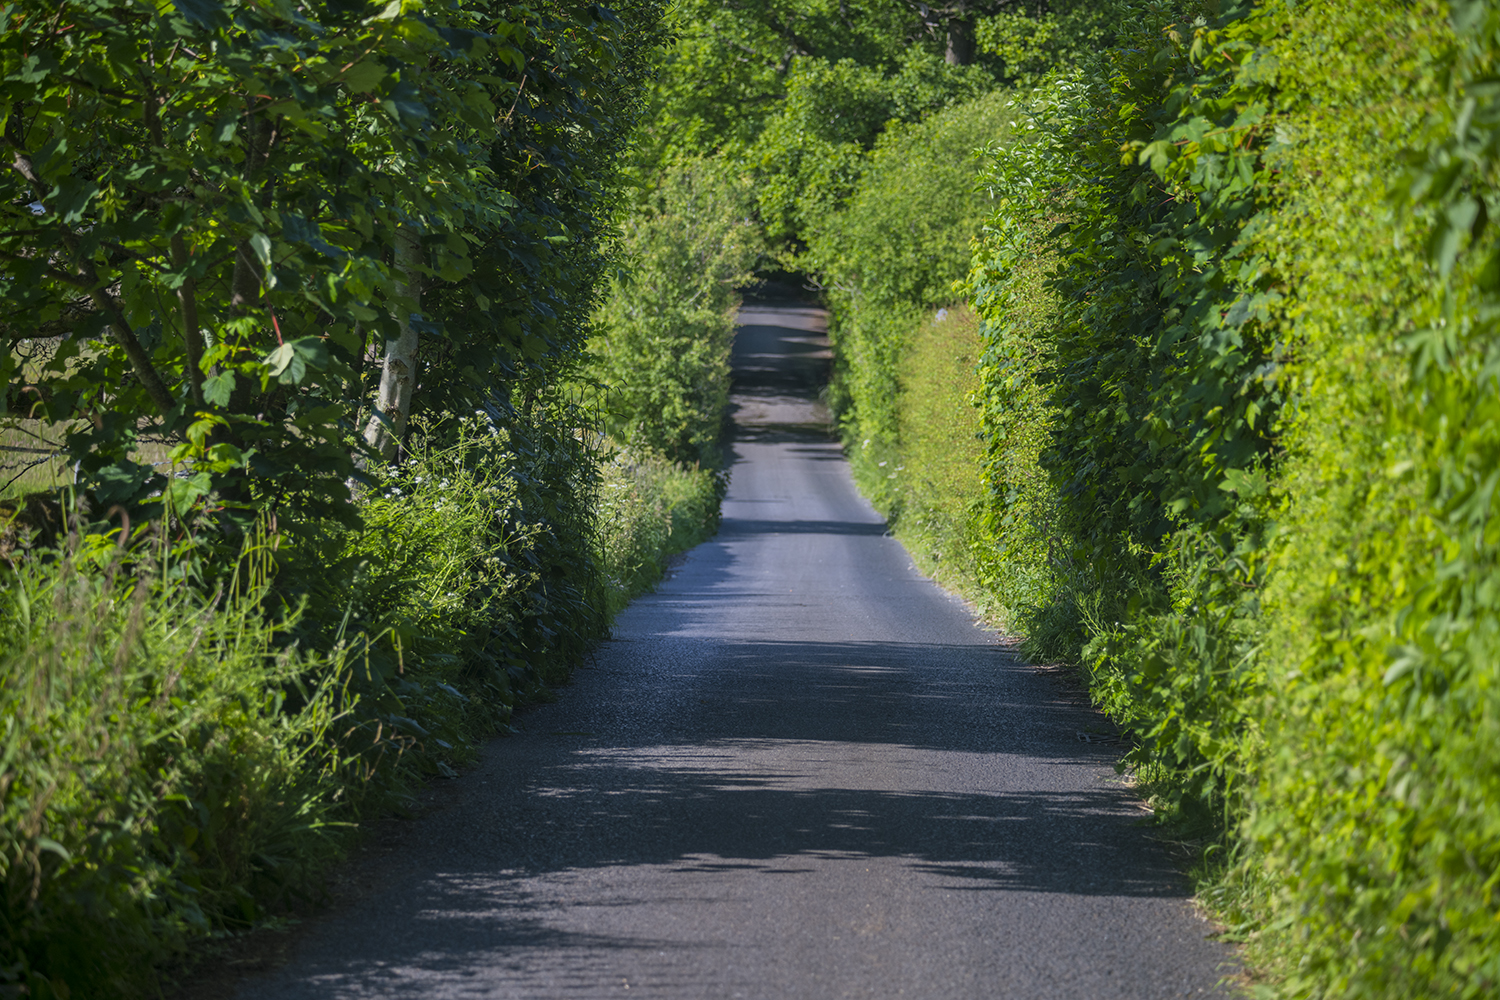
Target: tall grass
(168, 764)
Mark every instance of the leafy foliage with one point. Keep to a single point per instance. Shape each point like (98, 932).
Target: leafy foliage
(1379, 793)
(664, 331)
(1262, 374)
(168, 766)
(650, 510)
(204, 210)
(793, 94)
(894, 247)
(930, 486)
(726, 73)
(204, 201)
(1034, 41)
(809, 155)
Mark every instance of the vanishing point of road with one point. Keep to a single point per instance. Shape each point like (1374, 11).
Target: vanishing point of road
(798, 771)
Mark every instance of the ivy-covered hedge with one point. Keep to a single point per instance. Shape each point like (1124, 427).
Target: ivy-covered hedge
(1260, 360)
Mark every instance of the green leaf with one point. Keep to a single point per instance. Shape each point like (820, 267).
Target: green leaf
(260, 243)
(408, 724)
(1408, 660)
(1158, 154)
(1459, 220)
(313, 351)
(1245, 482)
(203, 13)
(278, 360)
(299, 229)
(184, 491)
(217, 389)
(289, 362)
(73, 197)
(363, 76)
(53, 847)
(223, 456)
(120, 482)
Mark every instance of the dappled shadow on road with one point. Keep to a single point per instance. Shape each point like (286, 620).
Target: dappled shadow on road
(735, 752)
(730, 527)
(683, 765)
(510, 905)
(932, 697)
(788, 432)
(777, 377)
(496, 941)
(691, 755)
(614, 807)
(778, 360)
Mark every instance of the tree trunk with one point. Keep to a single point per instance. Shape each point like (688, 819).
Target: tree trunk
(192, 337)
(960, 41)
(398, 375)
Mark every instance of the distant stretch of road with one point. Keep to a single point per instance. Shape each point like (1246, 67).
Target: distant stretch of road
(798, 772)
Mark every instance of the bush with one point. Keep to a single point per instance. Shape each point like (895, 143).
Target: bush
(1033, 45)
(176, 765)
(1375, 811)
(663, 333)
(651, 509)
(1268, 416)
(812, 152)
(932, 485)
(893, 250)
(170, 765)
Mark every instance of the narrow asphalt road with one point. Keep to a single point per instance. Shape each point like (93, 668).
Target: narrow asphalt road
(799, 770)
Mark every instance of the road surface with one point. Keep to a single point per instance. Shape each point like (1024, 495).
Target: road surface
(799, 770)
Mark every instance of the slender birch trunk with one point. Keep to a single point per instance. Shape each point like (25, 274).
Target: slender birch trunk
(398, 375)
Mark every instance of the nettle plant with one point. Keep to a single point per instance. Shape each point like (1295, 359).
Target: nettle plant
(223, 213)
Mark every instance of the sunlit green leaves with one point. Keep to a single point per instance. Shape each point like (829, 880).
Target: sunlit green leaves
(1273, 416)
(248, 165)
(663, 334)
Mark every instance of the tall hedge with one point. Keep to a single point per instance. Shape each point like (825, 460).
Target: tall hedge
(893, 247)
(1261, 359)
(663, 334)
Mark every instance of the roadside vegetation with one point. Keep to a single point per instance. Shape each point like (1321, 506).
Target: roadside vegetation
(364, 361)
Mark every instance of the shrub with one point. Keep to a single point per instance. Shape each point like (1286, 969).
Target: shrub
(186, 743)
(169, 765)
(1268, 403)
(936, 504)
(663, 333)
(1375, 812)
(651, 509)
(894, 249)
